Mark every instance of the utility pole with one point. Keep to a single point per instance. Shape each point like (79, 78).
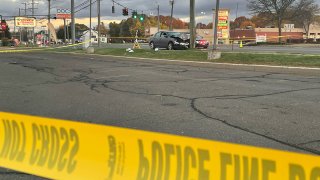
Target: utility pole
(68, 36)
(25, 14)
(90, 23)
(65, 30)
(25, 8)
(49, 19)
(192, 24)
(19, 27)
(32, 11)
(171, 2)
(158, 17)
(215, 33)
(99, 22)
(73, 28)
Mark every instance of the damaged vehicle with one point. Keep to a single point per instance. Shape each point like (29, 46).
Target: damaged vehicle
(169, 40)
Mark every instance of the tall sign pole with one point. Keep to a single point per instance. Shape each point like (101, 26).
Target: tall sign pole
(32, 16)
(215, 32)
(192, 24)
(99, 23)
(73, 28)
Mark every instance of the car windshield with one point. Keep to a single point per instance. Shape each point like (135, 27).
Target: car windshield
(187, 35)
(199, 38)
(174, 34)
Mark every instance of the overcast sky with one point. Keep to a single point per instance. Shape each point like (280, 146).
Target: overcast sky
(181, 8)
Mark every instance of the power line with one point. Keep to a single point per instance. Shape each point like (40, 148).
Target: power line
(85, 6)
(82, 4)
(121, 5)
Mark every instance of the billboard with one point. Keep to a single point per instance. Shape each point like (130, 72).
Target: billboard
(25, 22)
(63, 14)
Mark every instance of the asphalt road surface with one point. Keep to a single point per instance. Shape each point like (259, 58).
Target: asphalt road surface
(273, 110)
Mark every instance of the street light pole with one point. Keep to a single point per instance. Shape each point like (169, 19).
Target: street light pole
(171, 21)
(49, 18)
(90, 23)
(215, 33)
(73, 28)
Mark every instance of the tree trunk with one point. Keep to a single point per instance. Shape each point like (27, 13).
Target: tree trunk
(280, 29)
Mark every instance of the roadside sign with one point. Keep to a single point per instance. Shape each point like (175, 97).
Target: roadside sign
(63, 14)
(223, 24)
(25, 22)
(288, 26)
(261, 38)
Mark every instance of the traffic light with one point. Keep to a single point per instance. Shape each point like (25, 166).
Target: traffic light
(113, 10)
(125, 12)
(134, 14)
(141, 18)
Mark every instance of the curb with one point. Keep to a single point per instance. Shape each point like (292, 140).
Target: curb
(245, 67)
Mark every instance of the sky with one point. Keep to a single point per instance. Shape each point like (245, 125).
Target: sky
(181, 9)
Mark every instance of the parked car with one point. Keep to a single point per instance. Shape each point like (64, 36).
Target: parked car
(201, 43)
(169, 39)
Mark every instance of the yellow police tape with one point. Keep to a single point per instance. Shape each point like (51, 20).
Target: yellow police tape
(68, 150)
(40, 49)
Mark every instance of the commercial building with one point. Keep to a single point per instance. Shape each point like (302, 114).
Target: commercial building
(256, 34)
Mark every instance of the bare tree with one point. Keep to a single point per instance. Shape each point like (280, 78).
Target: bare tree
(277, 8)
(305, 13)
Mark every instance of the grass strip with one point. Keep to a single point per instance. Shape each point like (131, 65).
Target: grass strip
(199, 55)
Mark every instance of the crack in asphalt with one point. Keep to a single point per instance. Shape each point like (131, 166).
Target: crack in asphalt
(48, 70)
(309, 142)
(87, 80)
(193, 105)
